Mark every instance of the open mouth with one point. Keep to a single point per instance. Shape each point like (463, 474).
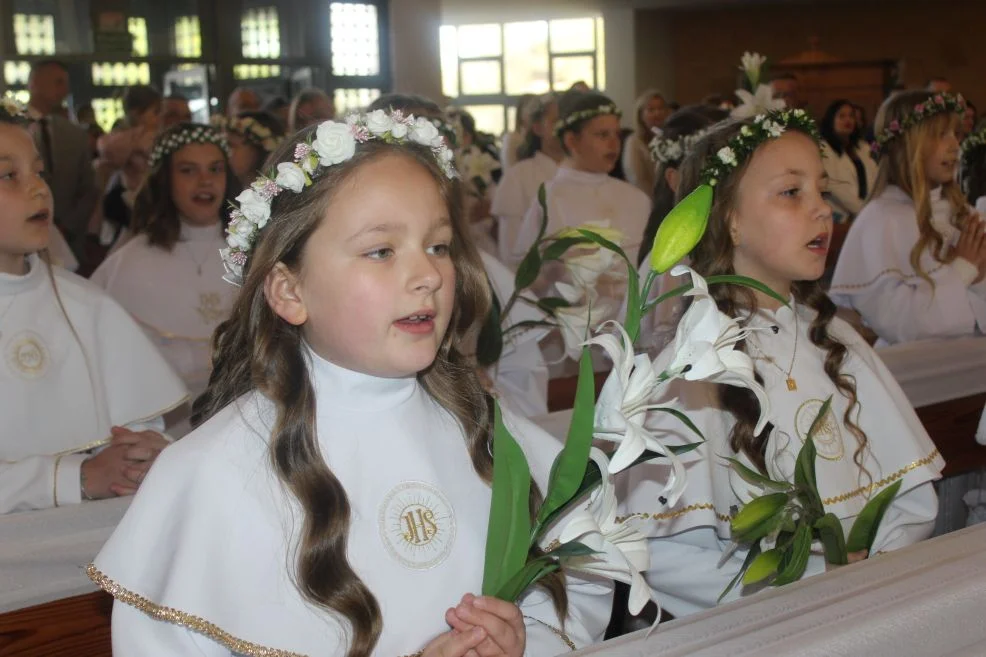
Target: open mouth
(820, 244)
(204, 198)
(41, 216)
(422, 321)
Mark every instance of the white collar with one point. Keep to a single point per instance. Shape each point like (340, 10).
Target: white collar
(340, 388)
(11, 284)
(566, 173)
(193, 233)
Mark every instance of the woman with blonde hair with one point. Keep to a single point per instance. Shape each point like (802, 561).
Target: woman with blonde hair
(651, 111)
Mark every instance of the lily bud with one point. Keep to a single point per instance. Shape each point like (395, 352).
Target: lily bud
(681, 229)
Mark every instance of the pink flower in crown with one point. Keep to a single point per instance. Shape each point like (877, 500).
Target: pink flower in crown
(360, 132)
(895, 126)
(266, 188)
(939, 100)
(238, 258)
(302, 151)
(919, 108)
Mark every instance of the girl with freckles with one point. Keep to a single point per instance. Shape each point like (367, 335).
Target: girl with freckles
(334, 497)
(769, 221)
(82, 390)
(914, 262)
(168, 276)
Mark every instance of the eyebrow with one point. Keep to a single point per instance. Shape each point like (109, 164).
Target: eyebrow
(218, 160)
(798, 172)
(437, 224)
(12, 159)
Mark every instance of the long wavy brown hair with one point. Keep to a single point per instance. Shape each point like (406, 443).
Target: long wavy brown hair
(902, 164)
(256, 350)
(714, 256)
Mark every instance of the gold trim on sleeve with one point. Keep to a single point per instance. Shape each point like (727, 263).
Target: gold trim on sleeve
(677, 513)
(889, 479)
(885, 272)
(54, 485)
(106, 441)
(559, 633)
(182, 619)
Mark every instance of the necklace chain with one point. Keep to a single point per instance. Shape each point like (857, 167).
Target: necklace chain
(792, 385)
(191, 253)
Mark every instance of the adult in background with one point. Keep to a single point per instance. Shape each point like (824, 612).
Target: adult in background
(174, 110)
(512, 141)
(243, 99)
(787, 87)
(846, 158)
(939, 85)
(308, 107)
(652, 110)
(65, 149)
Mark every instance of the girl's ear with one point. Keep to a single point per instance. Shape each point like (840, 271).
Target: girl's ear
(734, 230)
(283, 292)
(570, 140)
(672, 178)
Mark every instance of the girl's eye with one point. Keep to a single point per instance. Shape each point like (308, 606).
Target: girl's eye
(380, 254)
(439, 250)
(8, 175)
(791, 192)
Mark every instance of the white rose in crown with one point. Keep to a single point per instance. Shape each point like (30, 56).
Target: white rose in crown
(238, 234)
(334, 143)
(290, 176)
(378, 122)
(254, 207)
(425, 133)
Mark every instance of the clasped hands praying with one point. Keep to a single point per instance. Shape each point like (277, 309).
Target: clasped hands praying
(121, 466)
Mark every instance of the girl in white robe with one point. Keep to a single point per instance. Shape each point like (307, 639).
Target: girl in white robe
(335, 498)
(770, 221)
(76, 373)
(914, 261)
(518, 188)
(169, 276)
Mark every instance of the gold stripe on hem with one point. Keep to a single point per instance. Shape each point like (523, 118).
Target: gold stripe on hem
(885, 272)
(559, 633)
(182, 619)
(862, 490)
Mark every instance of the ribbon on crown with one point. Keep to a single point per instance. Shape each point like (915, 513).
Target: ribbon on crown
(333, 143)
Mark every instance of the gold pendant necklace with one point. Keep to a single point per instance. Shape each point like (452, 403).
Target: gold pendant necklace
(792, 384)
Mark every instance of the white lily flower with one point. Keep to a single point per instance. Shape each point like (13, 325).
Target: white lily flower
(705, 346)
(623, 406)
(621, 548)
(586, 268)
(577, 320)
(751, 64)
(760, 102)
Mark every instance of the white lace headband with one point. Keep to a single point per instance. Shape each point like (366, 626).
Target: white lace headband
(167, 144)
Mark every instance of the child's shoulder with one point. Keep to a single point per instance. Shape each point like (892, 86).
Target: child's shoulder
(886, 205)
(631, 194)
(74, 289)
(539, 446)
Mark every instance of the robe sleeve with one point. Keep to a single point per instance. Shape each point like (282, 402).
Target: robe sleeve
(40, 482)
(135, 634)
(590, 602)
(509, 211)
(910, 518)
(872, 277)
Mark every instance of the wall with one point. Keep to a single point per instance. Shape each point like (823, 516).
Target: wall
(414, 54)
(932, 39)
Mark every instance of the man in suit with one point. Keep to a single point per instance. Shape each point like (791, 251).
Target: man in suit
(65, 150)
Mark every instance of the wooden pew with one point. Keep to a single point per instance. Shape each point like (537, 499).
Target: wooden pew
(72, 627)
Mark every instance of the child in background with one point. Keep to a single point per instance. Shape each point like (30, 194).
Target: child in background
(914, 260)
(77, 373)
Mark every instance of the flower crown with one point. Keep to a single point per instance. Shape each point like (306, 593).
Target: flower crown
(767, 126)
(195, 134)
(14, 109)
(973, 142)
(333, 143)
(561, 125)
(252, 130)
(671, 151)
(938, 104)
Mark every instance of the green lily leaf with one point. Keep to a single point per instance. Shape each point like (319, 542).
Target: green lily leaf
(756, 478)
(526, 324)
(528, 269)
(550, 304)
(751, 554)
(763, 566)
(719, 279)
(569, 467)
(560, 246)
(684, 419)
(489, 345)
(804, 468)
(508, 536)
(526, 577)
(796, 558)
(864, 528)
(681, 229)
(833, 539)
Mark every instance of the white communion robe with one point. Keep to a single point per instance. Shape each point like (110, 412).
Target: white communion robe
(521, 375)
(689, 540)
(63, 385)
(874, 275)
(203, 562)
(177, 296)
(516, 191)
